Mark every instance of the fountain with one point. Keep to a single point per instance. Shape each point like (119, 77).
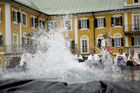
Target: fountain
(53, 64)
(53, 61)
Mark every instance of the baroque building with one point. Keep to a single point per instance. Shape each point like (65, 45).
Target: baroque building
(84, 22)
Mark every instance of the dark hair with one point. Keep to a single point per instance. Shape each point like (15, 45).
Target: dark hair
(120, 49)
(94, 50)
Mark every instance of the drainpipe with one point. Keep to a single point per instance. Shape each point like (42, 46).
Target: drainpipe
(93, 28)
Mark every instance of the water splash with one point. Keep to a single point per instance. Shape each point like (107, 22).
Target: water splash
(54, 61)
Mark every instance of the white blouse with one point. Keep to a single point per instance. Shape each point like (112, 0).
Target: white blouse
(136, 58)
(122, 55)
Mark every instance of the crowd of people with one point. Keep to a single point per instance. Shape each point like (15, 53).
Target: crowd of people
(121, 59)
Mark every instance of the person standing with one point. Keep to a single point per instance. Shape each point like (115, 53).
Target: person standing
(107, 50)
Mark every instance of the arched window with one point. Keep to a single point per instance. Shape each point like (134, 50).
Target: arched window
(84, 41)
(117, 40)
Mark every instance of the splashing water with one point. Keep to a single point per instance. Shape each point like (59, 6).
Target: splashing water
(54, 61)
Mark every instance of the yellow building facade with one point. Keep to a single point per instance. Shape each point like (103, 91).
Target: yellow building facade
(84, 30)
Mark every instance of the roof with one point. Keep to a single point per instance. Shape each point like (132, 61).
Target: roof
(56, 7)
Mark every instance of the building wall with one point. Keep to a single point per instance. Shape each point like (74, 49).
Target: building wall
(111, 30)
(20, 30)
(88, 32)
(130, 1)
(2, 32)
(2, 25)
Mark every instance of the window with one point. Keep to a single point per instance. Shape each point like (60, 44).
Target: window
(51, 26)
(83, 23)
(33, 46)
(136, 1)
(42, 24)
(99, 43)
(24, 19)
(33, 22)
(1, 40)
(137, 41)
(84, 45)
(14, 16)
(0, 15)
(117, 42)
(100, 22)
(68, 25)
(116, 21)
(15, 42)
(72, 44)
(136, 22)
(25, 43)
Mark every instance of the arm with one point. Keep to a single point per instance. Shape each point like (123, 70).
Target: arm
(136, 57)
(124, 57)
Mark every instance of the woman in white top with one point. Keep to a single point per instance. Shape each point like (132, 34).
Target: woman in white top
(93, 59)
(79, 57)
(133, 59)
(121, 58)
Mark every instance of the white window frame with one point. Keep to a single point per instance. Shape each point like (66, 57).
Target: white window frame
(117, 16)
(116, 38)
(81, 39)
(41, 24)
(16, 49)
(33, 27)
(53, 24)
(99, 27)
(137, 41)
(134, 22)
(83, 28)
(70, 24)
(134, 2)
(15, 22)
(0, 15)
(25, 19)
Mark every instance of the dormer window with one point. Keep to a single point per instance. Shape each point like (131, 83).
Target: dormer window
(136, 1)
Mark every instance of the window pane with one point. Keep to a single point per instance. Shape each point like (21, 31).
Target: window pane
(117, 42)
(136, 1)
(1, 41)
(68, 25)
(100, 22)
(84, 23)
(117, 21)
(84, 46)
(24, 19)
(136, 22)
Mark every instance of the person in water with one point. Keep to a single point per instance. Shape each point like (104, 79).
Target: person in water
(133, 59)
(79, 57)
(107, 50)
(121, 58)
(93, 59)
